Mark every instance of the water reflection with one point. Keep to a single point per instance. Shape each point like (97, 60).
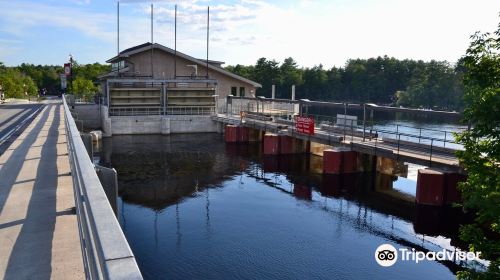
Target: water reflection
(194, 207)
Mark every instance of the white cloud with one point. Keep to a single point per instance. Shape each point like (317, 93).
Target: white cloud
(312, 32)
(33, 15)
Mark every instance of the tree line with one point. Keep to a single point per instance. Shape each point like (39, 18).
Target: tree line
(28, 80)
(381, 80)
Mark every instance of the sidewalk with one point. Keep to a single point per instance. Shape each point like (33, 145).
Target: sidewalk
(38, 228)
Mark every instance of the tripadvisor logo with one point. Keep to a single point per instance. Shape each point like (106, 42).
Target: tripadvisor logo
(387, 255)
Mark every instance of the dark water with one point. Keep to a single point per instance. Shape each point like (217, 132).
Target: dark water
(193, 207)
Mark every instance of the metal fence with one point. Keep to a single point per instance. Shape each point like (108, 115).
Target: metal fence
(106, 253)
(135, 111)
(190, 110)
(274, 107)
(425, 143)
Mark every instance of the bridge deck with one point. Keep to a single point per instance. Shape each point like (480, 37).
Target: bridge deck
(417, 153)
(38, 228)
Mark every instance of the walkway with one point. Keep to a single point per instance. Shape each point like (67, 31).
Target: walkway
(421, 154)
(38, 228)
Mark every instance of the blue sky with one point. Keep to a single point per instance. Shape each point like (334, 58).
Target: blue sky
(312, 32)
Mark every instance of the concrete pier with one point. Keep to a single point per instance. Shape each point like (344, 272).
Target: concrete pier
(430, 187)
(38, 227)
(271, 144)
(438, 187)
(337, 161)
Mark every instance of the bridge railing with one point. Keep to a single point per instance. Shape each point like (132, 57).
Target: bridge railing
(422, 143)
(106, 253)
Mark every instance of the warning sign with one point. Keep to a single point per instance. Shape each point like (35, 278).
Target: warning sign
(304, 125)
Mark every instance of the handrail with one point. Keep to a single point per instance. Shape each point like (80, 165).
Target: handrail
(425, 153)
(105, 251)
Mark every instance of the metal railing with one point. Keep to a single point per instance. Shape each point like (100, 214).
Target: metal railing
(106, 253)
(157, 111)
(399, 144)
(190, 110)
(135, 111)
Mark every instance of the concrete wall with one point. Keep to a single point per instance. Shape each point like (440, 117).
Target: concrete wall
(160, 125)
(105, 122)
(163, 68)
(89, 114)
(191, 124)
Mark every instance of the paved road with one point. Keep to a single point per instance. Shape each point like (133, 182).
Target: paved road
(12, 115)
(38, 226)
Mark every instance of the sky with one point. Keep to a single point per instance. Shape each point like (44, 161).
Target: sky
(313, 32)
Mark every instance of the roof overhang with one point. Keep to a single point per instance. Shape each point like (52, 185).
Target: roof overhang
(135, 50)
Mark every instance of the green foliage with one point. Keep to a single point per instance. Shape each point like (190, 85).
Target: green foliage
(32, 78)
(45, 77)
(16, 84)
(481, 158)
(83, 88)
(383, 80)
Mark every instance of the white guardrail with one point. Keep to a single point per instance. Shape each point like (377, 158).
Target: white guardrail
(106, 252)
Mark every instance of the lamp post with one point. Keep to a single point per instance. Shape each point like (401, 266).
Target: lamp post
(70, 76)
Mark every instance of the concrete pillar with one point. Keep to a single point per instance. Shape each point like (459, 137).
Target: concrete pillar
(105, 122)
(271, 144)
(430, 187)
(452, 193)
(286, 145)
(291, 145)
(339, 161)
(386, 165)
(315, 164)
(254, 135)
(366, 163)
(317, 148)
(436, 187)
(273, 91)
(242, 134)
(332, 162)
(165, 125)
(293, 92)
(231, 133)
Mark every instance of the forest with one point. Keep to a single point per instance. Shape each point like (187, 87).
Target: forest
(380, 80)
(28, 80)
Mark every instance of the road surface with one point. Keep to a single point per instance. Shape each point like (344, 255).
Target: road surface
(38, 226)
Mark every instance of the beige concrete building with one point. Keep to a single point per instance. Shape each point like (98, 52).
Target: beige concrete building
(156, 82)
(166, 64)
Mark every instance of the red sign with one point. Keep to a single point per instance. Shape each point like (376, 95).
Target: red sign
(304, 125)
(67, 69)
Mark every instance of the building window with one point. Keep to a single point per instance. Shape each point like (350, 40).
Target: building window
(118, 65)
(234, 91)
(242, 91)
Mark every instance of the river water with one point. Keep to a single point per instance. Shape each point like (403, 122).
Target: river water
(193, 207)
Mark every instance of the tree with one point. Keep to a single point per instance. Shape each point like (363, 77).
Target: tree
(267, 72)
(15, 84)
(381, 80)
(290, 75)
(481, 157)
(83, 88)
